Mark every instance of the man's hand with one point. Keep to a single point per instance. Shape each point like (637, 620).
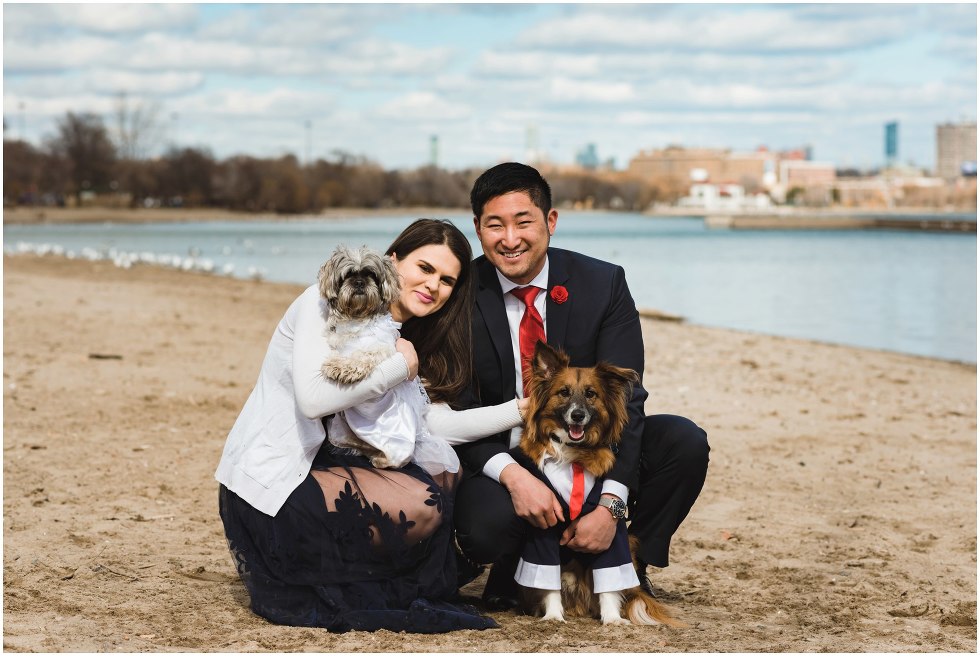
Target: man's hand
(533, 500)
(592, 533)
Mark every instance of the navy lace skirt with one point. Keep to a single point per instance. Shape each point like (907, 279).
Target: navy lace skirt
(309, 566)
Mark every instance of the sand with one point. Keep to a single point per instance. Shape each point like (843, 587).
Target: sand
(839, 512)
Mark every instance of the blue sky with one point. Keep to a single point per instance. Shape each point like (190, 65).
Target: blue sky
(378, 80)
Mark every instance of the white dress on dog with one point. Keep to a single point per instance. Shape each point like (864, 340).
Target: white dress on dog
(394, 422)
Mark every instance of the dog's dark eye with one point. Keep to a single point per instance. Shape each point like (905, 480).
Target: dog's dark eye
(564, 392)
(590, 393)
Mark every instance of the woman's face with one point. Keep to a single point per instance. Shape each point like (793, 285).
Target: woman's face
(428, 276)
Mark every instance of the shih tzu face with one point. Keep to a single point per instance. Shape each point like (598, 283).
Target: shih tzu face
(358, 283)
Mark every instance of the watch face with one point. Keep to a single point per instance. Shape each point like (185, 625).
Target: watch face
(615, 506)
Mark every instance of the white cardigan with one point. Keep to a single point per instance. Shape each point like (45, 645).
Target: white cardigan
(271, 447)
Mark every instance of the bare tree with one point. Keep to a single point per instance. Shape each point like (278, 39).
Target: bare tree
(137, 128)
(84, 143)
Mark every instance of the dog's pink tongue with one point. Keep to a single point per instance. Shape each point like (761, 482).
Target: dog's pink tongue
(576, 432)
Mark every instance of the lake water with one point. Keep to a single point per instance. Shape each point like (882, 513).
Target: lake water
(912, 292)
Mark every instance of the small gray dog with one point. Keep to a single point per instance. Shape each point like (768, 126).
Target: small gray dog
(359, 285)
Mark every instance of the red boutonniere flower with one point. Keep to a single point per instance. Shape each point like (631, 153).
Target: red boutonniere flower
(559, 294)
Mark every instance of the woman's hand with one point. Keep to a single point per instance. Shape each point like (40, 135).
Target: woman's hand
(522, 406)
(405, 347)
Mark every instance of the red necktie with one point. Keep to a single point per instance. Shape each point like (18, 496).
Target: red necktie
(578, 491)
(531, 330)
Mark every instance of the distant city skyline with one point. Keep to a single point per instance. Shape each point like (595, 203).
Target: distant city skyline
(471, 85)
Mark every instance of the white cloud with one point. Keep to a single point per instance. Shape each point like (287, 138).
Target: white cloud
(105, 82)
(137, 84)
(714, 28)
(536, 63)
(98, 17)
(421, 106)
(565, 90)
(31, 52)
(279, 104)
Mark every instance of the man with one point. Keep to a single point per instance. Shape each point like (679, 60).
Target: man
(583, 306)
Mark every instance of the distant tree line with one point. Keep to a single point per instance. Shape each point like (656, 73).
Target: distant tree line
(83, 163)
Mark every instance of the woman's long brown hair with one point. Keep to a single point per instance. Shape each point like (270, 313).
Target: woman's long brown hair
(442, 339)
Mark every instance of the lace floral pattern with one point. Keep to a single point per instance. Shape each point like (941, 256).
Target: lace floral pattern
(375, 552)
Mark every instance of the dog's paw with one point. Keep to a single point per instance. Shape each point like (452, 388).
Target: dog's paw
(553, 617)
(343, 372)
(615, 620)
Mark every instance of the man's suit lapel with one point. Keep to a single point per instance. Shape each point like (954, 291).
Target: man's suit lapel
(557, 313)
(490, 302)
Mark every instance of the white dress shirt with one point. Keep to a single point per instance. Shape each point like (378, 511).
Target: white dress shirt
(514, 307)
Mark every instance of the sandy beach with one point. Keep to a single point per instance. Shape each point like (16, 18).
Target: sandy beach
(839, 512)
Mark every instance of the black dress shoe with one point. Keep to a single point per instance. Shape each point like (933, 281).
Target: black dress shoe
(466, 569)
(641, 573)
(501, 591)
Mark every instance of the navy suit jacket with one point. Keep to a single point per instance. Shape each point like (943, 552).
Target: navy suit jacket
(598, 322)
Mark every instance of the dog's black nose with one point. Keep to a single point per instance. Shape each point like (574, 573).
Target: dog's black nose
(578, 416)
(358, 283)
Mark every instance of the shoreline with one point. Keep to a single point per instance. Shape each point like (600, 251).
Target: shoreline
(652, 314)
(831, 519)
(62, 215)
(776, 218)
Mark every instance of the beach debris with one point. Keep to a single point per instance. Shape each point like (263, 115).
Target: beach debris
(104, 356)
(102, 568)
(140, 518)
(659, 315)
(912, 611)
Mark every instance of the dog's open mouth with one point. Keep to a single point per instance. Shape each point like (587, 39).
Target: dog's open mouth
(576, 432)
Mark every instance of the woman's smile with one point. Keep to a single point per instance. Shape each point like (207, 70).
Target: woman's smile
(427, 276)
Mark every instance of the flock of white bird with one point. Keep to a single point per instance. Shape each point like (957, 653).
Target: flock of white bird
(126, 259)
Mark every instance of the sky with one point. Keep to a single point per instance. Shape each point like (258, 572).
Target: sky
(498, 82)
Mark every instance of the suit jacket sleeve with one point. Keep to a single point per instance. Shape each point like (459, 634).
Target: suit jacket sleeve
(620, 342)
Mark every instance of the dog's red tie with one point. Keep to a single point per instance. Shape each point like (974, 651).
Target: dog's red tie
(531, 330)
(578, 491)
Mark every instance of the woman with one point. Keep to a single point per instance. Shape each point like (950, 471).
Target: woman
(321, 538)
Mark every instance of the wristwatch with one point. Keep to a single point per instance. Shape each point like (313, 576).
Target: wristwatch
(614, 506)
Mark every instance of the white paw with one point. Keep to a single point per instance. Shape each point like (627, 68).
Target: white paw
(553, 617)
(615, 620)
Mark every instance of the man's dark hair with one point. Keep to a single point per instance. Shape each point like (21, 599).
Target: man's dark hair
(507, 178)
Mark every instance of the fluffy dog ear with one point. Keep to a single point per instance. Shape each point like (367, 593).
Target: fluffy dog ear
(618, 383)
(390, 285)
(330, 272)
(547, 361)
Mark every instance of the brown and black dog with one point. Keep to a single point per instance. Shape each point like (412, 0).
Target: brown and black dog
(577, 414)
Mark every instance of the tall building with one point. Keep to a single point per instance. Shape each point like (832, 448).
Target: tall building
(434, 150)
(956, 149)
(891, 143)
(532, 151)
(703, 164)
(588, 157)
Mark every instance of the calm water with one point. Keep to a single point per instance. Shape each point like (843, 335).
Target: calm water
(911, 292)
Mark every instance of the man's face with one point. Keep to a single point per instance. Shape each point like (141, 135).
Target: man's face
(515, 235)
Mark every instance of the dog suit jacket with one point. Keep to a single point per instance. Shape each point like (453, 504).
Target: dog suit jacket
(540, 563)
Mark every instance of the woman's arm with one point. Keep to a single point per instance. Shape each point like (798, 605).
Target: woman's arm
(317, 396)
(462, 426)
